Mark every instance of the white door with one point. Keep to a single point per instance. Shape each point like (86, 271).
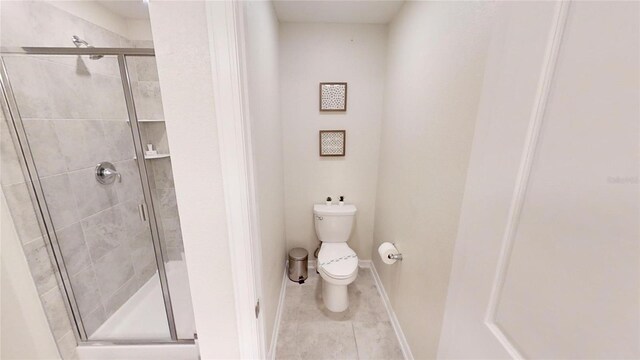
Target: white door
(546, 263)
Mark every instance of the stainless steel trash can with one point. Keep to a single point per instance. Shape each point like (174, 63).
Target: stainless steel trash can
(298, 259)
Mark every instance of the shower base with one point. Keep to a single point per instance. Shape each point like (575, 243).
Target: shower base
(142, 317)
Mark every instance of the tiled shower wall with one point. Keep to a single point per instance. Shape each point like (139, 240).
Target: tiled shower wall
(146, 94)
(24, 218)
(74, 106)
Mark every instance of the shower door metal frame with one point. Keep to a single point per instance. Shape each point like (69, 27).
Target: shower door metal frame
(26, 159)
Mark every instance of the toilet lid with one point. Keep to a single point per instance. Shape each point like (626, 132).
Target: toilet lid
(337, 260)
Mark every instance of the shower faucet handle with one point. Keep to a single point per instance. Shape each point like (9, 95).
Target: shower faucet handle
(106, 173)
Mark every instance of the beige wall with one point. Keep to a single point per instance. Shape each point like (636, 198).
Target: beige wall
(261, 36)
(314, 53)
(435, 67)
(181, 40)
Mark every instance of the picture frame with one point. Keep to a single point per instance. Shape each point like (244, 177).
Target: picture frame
(333, 96)
(332, 142)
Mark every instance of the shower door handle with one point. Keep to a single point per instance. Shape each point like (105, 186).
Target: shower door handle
(143, 215)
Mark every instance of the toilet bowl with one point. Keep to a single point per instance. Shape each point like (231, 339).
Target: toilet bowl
(337, 262)
(338, 267)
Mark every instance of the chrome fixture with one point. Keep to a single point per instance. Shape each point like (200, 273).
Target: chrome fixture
(395, 256)
(79, 43)
(106, 173)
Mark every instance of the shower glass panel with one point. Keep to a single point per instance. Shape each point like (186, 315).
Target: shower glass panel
(145, 87)
(74, 115)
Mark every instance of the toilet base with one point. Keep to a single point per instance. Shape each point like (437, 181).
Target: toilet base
(335, 297)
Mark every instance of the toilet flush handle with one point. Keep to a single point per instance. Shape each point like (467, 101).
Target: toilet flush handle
(318, 217)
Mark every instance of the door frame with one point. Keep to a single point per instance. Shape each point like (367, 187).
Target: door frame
(225, 21)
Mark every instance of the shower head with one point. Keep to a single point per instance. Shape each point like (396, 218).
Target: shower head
(83, 44)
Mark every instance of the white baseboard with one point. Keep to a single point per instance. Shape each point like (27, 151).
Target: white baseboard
(364, 264)
(404, 345)
(276, 327)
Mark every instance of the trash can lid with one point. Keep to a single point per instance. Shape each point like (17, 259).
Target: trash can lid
(298, 254)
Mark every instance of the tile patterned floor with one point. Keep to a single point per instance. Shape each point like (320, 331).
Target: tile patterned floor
(309, 331)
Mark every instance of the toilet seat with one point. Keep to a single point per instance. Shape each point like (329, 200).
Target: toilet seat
(337, 261)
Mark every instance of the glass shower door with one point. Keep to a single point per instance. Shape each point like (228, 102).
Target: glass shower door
(74, 116)
(145, 86)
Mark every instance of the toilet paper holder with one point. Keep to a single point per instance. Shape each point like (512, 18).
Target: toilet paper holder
(397, 256)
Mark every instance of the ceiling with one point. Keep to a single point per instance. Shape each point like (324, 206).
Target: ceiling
(128, 9)
(353, 11)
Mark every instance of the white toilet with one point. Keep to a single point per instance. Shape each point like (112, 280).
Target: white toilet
(337, 262)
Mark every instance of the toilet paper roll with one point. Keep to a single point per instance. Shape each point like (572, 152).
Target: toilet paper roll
(385, 249)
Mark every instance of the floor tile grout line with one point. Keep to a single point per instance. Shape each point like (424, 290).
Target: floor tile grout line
(355, 341)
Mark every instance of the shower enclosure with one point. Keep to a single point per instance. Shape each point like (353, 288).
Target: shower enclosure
(80, 120)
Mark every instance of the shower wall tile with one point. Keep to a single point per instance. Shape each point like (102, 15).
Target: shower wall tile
(28, 81)
(130, 214)
(175, 253)
(100, 37)
(74, 249)
(108, 65)
(40, 265)
(146, 272)
(113, 270)
(163, 174)
(91, 196)
(70, 91)
(130, 189)
(104, 232)
(22, 212)
(45, 147)
(142, 43)
(60, 200)
(82, 142)
(167, 203)
(86, 291)
(13, 32)
(83, 65)
(9, 164)
(108, 96)
(146, 68)
(120, 140)
(56, 313)
(143, 254)
(113, 303)
(172, 231)
(75, 63)
(93, 320)
(52, 26)
(147, 99)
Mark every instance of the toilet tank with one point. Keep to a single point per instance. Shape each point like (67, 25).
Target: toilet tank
(333, 222)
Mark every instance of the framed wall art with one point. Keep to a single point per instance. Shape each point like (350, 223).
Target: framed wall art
(333, 96)
(333, 142)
